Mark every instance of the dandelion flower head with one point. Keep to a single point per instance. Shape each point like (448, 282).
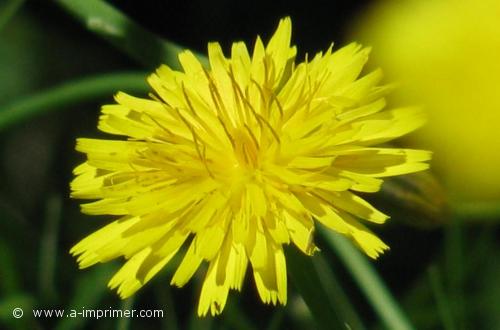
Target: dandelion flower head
(238, 159)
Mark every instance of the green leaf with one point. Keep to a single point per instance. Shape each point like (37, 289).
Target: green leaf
(368, 281)
(309, 284)
(70, 93)
(336, 294)
(122, 32)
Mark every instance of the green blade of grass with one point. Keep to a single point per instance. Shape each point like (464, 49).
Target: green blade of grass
(368, 281)
(336, 295)
(308, 282)
(109, 23)
(70, 93)
(115, 27)
(8, 9)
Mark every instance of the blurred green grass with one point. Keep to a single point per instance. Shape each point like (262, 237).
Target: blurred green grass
(455, 287)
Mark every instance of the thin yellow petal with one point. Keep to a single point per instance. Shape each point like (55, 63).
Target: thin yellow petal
(271, 280)
(187, 267)
(213, 296)
(381, 162)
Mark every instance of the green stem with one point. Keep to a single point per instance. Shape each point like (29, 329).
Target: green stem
(68, 94)
(369, 282)
(109, 23)
(8, 9)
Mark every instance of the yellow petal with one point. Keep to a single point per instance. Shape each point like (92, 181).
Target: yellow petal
(301, 230)
(280, 51)
(137, 271)
(89, 250)
(381, 162)
(364, 238)
(208, 241)
(271, 280)
(354, 204)
(187, 267)
(213, 296)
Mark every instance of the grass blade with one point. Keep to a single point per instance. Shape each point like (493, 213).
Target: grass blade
(369, 282)
(336, 294)
(109, 23)
(308, 282)
(70, 93)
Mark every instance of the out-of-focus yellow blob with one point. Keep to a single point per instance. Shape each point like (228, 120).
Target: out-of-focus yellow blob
(446, 54)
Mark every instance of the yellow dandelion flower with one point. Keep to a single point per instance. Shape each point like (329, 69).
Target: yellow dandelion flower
(236, 160)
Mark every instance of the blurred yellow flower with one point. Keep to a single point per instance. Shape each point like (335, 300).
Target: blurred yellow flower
(446, 54)
(236, 161)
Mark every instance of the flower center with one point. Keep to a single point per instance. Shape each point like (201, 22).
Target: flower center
(246, 149)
